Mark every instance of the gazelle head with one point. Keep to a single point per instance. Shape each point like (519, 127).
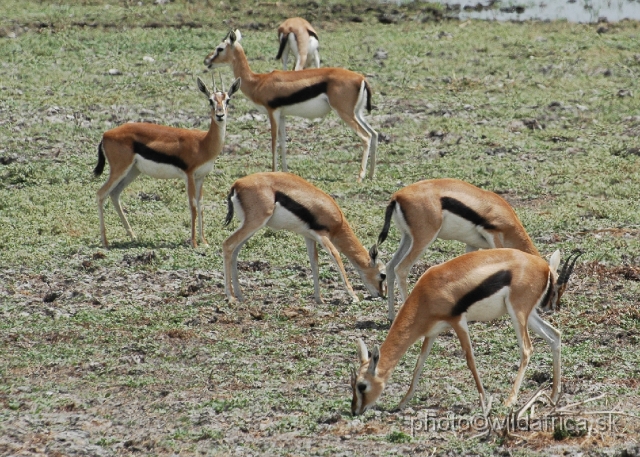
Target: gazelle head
(365, 383)
(223, 54)
(219, 100)
(374, 276)
(561, 278)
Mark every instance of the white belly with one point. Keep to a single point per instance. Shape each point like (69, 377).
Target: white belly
(204, 169)
(310, 109)
(283, 219)
(490, 308)
(158, 170)
(457, 228)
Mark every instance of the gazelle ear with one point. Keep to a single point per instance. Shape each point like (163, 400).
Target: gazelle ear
(373, 361)
(554, 261)
(373, 253)
(363, 353)
(203, 88)
(234, 87)
(238, 35)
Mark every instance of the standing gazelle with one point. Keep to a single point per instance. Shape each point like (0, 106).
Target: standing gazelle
(298, 37)
(448, 209)
(478, 286)
(163, 152)
(286, 201)
(311, 94)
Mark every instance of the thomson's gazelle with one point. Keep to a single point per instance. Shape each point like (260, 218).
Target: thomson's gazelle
(298, 37)
(311, 94)
(448, 209)
(478, 286)
(163, 152)
(286, 201)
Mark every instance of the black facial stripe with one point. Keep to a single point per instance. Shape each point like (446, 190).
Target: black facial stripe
(158, 157)
(300, 96)
(485, 289)
(300, 211)
(460, 209)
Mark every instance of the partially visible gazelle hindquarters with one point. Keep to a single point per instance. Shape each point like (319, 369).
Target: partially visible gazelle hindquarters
(283, 201)
(163, 152)
(298, 37)
(477, 286)
(311, 94)
(448, 209)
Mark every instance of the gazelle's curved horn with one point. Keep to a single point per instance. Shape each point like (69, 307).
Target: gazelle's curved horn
(221, 81)
(568, 267)
(213, 80)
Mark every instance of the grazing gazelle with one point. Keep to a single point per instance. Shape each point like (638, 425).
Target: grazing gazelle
(285, 201)
(448, 209)
(311, 94)
(163, 152)
(299, 38)
(477, 286)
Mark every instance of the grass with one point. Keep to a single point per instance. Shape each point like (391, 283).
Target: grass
(138, 343)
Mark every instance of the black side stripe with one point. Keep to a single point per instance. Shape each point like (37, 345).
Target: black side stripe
(158, 157)
(457, 207)
(313, 34)
(485, 289)
(299, 211)
(300, 96)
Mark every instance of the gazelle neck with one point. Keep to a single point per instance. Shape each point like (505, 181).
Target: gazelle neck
(347, 243)
(214, 139)
(240, 66)
(403, 333)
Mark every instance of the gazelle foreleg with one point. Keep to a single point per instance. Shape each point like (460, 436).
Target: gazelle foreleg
(462, 331)
(427, 344)
(312, 250)
(199, 185)
(335, 256)
(552, 336)
(519, 321)
(193, 207)
(282, 140)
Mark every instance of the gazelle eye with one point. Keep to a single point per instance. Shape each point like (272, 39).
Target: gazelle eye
(220, 50)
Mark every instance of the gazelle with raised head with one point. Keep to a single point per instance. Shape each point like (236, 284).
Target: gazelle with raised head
(286, 201)
(163, 152)
(298, 37)
(448, 209)
(478, 286)
(310, 94)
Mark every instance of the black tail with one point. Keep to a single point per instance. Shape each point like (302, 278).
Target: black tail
(229, 218)
(97, 171)
(368, 89)
(387, 221)
(283, 43)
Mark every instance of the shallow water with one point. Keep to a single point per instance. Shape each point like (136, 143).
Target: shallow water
(570, 10)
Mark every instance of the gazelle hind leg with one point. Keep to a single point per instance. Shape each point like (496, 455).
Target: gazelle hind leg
(274, 119)
(363, 130)
(335, 256)
(199, 192)
(462, 331)
(520, 325)
(420, 243)
(312, 250)
(372, 145)
(427, 344)
(114, 191)
(231, 248)
(403, 248)
(552, 336)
